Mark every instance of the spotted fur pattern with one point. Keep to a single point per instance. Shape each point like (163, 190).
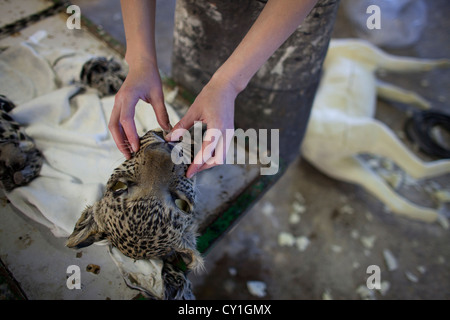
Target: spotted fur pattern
(140, 213)
(105, 75)
(20, 160)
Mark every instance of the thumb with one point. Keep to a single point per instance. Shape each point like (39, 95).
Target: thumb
(161, 112)
(184, 124)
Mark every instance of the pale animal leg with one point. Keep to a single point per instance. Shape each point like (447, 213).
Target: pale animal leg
(351, 170)
(407, 64)
(394, 93)
(376, 138)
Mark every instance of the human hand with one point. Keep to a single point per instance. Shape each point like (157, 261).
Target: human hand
(214, 106)
(142, 82)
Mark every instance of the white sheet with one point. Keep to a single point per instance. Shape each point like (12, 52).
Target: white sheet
(72, 134)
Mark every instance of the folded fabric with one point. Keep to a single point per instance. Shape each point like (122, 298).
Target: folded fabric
(70, 127)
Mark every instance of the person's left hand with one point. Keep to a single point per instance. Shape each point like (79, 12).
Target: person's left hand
(214, 106)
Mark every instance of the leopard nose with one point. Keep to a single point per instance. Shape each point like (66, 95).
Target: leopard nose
(162, 146)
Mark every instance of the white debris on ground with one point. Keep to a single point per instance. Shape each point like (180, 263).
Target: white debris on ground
(365, 293)
(267, 208)
(391, 261)
(294, 218)
(384, 287)
(257, 288)
(387, 170)
(298, 208)
(336, 249)
(232, 271)
(443, 221)
(422, 269)
(368, 242)
(370, 294)
(289, 240)
(286, 239)
(327, 295)
(346, 209)
(369, 216)
(411, 277)
(302, 243)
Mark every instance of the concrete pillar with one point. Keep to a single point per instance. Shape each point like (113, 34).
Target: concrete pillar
(281, 94)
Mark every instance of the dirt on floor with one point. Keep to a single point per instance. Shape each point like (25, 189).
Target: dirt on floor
(312, 237)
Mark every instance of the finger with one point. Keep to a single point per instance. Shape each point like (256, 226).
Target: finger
(213, 153)
(193, 169)
(161, 113)
(206, 166)
(212, 143)
(184, 124)
(118, 134)
(127, 123)
(199, 163)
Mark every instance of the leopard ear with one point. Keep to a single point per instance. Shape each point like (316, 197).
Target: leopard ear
(86, 231)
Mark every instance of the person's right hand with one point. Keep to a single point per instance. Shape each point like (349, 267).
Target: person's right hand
(142, 82)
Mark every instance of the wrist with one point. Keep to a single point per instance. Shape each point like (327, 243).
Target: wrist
(234, 81)
(225, 84)
(140, 58)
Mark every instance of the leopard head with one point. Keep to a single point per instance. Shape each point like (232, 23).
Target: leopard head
(147, 210)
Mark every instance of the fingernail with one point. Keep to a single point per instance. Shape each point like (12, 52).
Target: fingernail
(168, 136)
(190, 175)
(134, 147)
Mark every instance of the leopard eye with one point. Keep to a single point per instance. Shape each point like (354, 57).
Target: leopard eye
(119, 187)
(182, 205)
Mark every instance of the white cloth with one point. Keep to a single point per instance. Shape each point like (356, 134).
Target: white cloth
(70, 128)
(73, 136)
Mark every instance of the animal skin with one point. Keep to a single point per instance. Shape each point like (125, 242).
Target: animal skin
(20, 160)
(342, 123)
(147, 212)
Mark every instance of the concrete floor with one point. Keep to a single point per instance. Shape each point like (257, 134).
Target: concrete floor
(347, 229)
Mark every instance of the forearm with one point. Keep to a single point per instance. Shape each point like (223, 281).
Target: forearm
(139, 24)
(277, 21)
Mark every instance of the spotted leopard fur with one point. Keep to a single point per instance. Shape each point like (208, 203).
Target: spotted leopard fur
(105, 75)
(147, 211)
(20, 160)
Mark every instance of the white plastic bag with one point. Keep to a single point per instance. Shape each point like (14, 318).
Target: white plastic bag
(401, 25)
